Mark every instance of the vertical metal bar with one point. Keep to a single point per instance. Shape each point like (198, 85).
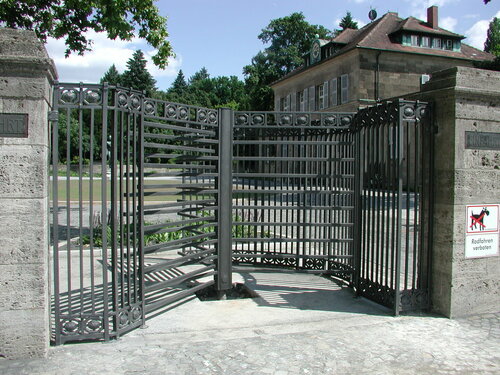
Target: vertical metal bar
(91, 213)
(224, 197)
(397, 267)
(104, 208)
(358, 191)
(140, 212)
(80, 198)
(114, 213)
(55, 214)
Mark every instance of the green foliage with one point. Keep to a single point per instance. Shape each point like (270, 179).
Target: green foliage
(112, 76)
(288, 39)
(74, 130)
(492, 43)
(137, 76)
(347, 22)
(71, 19)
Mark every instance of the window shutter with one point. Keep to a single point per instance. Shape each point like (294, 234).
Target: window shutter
(325, 95)
(293, 101)
(344, 80)
(333, 89)
(276, 103)
(304, 103)
(312, 101)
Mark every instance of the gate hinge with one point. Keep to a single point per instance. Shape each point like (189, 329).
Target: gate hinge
(53, 116)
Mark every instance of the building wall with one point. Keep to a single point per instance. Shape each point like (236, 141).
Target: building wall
(26, 75)
(399, 74)
(464, 99)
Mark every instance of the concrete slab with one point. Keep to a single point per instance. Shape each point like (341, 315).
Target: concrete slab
(300, 324)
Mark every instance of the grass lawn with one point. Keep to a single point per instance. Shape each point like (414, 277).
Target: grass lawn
(74, 190)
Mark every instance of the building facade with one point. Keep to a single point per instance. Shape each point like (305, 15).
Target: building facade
(389, 57)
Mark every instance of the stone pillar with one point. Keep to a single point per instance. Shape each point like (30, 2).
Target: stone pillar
(465, 100)
(26, 75)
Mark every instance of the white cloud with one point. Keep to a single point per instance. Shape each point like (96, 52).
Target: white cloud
(93, 64)
(448, 23)
(476, 35)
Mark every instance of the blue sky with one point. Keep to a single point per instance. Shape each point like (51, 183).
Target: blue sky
(221, 35)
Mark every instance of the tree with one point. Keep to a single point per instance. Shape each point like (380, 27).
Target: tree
(492, 44)
(71, 19)
(288, 39)
(137, 76)
(179, 86)
(347, 22)
(112, 76)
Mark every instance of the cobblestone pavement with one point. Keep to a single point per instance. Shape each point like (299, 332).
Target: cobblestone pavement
(288, 330)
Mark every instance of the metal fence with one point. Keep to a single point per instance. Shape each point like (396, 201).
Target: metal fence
(154, 201)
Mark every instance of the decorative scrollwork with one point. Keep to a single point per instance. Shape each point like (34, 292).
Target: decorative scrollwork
(150, 107)
(70, 327)
(93, 325)
(258, 119)
(123, 318)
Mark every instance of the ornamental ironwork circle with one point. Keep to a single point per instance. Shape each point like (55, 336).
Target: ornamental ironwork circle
(257, 119)
(136, 314)
(408, 112)
(70, 327)
(122, 99)
(183, 113)
(171, 111)
(241, 119)
(149, 108)
(286, 120)
(92, 96)
(202, 115)
(301, 120)
(330, 120)
(135, 102)
(69, 96)
(123, 318)
(93, 325)
(212, 118)
(346, 120)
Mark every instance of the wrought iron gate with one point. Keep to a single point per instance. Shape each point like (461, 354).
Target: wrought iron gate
(157, 200)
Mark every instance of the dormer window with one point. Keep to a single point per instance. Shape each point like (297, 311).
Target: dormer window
(426, 42)
(414, 40)
(436, 43)
(448, 45)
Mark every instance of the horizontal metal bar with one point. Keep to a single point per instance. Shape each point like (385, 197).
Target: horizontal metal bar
(176, 225)
(180, 157)
(174, 243)
(176, 262)
(177, 166)
(276, 142)
(195, 138)
(292, 240)
(288, 255)
(180, 148)
(257, 207)
(178, 128)
(278, 158)
(287, 191)
(179, 280)
(149, 307)
(291, 175)
(201, 202)
(269, 268)
(290, 224)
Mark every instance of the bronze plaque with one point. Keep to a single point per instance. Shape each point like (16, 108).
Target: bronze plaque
(482, 140)
(14, 125)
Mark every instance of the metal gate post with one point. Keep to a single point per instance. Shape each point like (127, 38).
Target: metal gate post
(224, 201)
(358, 203)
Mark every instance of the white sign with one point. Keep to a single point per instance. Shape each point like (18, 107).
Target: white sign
(481, 233)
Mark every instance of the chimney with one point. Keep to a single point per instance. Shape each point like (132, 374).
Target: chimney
(432, 16)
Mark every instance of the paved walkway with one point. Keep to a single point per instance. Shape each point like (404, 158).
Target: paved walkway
(300, 324)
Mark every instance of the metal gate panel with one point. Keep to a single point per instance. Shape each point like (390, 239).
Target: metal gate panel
(395, 182)
(293, 197)
(180, 196)
(96, 249)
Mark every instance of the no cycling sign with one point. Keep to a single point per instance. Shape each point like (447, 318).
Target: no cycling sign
(481, 233)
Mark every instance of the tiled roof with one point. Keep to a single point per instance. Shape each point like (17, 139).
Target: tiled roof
(377, 35)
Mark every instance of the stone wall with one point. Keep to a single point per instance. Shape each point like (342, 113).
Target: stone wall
(26, 75)
(465, 99)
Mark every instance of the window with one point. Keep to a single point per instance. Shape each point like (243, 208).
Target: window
(448, 45)
(414, 40)
(282, 104)
(320, 96)
(334, 90)
(300, 101)
(436, 43)
(344, 87)
(425, 42)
